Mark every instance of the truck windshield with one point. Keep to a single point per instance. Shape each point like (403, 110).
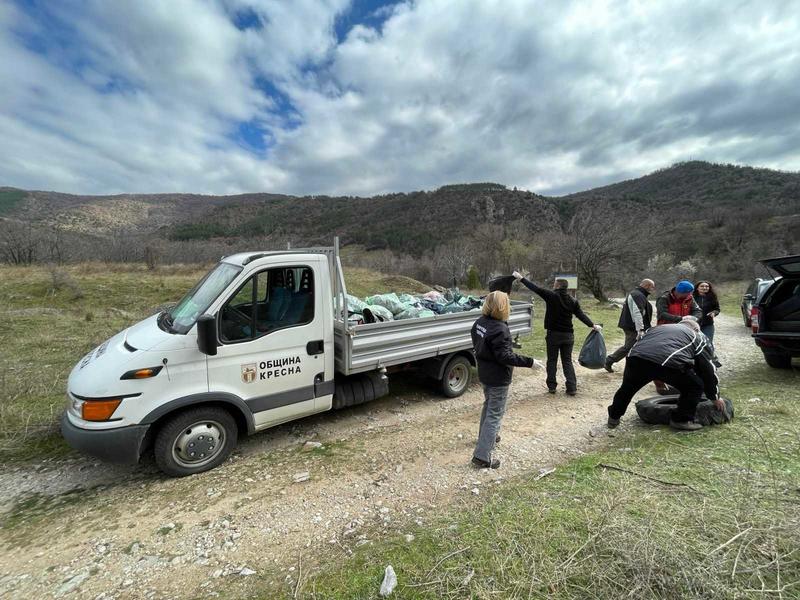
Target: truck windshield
(183, 315)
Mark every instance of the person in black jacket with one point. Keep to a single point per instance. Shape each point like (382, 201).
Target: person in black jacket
(491, 339)
(560, 337)
(678, 354)
(707, 300)
(635, 319)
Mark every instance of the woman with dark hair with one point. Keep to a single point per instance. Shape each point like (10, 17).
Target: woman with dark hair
(707, 300)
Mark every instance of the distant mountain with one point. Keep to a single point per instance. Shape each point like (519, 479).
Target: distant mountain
(706, 204)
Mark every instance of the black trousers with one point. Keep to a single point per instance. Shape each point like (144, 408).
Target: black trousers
(622, 351)
(640, 372)
(560, 343)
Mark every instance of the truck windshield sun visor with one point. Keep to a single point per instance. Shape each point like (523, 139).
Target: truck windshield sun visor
(182, 317)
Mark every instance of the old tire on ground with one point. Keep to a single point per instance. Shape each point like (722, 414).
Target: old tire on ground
(456, 377)
(657, 410)
(195, 440)
(778, 360)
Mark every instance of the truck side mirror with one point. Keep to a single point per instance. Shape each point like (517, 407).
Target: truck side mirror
(207, 335)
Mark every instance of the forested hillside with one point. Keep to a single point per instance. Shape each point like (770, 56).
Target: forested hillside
(693, 219)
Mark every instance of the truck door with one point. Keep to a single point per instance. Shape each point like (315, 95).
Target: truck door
(271, 351)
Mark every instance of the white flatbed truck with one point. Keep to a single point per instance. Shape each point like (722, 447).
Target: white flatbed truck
(262, 339)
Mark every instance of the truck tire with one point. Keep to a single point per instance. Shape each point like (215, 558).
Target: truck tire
(657, 410)
(194, 441)
(778, 360)
(456, 377)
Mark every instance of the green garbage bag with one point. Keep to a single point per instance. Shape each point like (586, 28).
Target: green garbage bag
(390, 301)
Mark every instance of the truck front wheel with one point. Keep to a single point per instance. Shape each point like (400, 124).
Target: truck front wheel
(194, 441)
(456, 377)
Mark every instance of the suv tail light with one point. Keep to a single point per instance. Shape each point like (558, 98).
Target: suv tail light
(754, 318)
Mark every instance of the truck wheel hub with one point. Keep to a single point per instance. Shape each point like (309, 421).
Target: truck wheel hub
(198, 443)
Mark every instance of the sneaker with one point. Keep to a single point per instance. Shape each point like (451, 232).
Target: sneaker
(551, 390)
(482, 464)
(571, 392)
(685, 425)
(609, 367)
(612, 422)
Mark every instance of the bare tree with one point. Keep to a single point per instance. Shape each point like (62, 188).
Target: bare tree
(599, 240)
(19, 242)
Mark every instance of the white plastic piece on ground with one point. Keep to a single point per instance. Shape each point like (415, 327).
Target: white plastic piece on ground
(389, 582)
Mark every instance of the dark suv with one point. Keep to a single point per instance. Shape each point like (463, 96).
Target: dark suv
(776, 314)
(751, 296)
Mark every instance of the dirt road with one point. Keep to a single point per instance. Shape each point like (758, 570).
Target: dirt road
(80, 529)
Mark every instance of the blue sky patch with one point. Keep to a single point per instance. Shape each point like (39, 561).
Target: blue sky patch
(363, 12)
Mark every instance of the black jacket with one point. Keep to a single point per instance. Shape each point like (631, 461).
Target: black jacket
(496, 358)
(560, 308)
(679, 347)
(637, 313)
(707, 304)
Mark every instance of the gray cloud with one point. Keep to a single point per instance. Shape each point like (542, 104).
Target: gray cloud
(553, 97)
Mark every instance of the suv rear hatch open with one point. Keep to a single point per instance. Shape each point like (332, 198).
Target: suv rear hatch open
(776, 318)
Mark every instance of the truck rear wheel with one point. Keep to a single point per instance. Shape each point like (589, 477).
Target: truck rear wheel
(456, 377)
(194, 441)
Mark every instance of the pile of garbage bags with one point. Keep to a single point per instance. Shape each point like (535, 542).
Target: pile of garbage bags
(395, 307)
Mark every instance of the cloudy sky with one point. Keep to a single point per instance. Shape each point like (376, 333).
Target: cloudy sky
(368, 96)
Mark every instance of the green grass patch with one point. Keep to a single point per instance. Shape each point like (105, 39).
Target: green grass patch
(714, 514)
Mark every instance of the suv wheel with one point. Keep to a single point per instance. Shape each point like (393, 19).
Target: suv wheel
(778, 360)
(194, 441)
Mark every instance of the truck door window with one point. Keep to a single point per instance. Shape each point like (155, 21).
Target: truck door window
(270, 300)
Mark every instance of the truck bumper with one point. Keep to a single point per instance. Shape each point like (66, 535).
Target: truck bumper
(122, 445)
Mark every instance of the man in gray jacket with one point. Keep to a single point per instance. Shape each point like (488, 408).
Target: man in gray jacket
(635, 319)
(678, 354)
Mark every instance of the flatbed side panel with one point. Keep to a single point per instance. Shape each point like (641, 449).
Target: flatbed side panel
(397, 342)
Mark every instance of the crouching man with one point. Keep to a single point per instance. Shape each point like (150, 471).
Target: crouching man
(679, 355)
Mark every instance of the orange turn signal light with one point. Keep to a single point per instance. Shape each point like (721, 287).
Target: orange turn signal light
(99, 410)
(143, 373)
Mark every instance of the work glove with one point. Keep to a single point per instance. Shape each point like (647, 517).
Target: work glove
(517, 275)
(597, 327)
(640, 335)
(537, 365)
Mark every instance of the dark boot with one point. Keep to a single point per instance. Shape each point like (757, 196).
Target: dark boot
(482, 464)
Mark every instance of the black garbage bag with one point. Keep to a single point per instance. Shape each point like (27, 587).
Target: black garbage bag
(502, 283)
(593, 352)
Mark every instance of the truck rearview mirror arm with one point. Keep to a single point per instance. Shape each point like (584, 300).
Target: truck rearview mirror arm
(207, 335)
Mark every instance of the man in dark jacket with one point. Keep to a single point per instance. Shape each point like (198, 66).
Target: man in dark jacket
(678, 354)
(560, 337)
(635, 319)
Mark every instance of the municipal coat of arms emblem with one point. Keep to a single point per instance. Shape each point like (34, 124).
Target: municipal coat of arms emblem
(249, 373)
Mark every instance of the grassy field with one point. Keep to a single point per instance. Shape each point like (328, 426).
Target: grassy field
(654, 515)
